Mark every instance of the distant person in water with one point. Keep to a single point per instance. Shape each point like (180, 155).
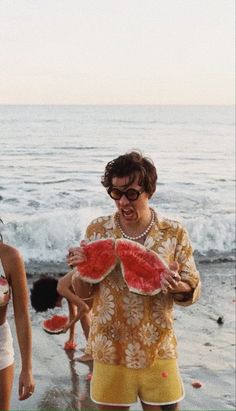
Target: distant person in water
(48, 292)
(13, 283)
(131, 339)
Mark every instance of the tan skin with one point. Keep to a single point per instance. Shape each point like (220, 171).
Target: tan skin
(78, 309)
(135, 216)
(73, 318)
(14, 269)
(64, 288)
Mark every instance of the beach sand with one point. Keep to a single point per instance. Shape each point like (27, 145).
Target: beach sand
(206, 353)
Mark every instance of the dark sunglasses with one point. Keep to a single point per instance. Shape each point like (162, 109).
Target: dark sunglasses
(131, 194)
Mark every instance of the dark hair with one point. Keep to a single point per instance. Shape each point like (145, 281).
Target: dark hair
(130, 165)
(44, 293)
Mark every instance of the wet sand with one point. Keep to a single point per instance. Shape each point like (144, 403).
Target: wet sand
(206, 353)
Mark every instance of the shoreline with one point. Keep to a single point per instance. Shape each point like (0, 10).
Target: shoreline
(206, 353)
(34, 268)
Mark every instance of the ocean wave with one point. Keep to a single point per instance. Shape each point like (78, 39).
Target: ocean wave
(213, 234)
(46, 238)
(65, 180)
(68, 148)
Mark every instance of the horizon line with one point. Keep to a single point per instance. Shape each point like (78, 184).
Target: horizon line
(120, 104)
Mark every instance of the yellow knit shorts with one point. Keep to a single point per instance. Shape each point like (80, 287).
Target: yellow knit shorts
(159, 384)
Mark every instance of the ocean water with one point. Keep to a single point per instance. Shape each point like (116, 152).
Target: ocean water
(52, 159)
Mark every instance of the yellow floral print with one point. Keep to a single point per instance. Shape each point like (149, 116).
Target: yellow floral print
(133, 329)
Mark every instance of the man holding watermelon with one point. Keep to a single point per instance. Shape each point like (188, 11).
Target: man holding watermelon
(141, 264)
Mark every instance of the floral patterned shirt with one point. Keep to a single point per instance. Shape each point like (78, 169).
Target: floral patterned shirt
(133, 329)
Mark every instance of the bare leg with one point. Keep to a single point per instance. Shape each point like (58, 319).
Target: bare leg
(85, 324)
(170, 407)
(112, 408)
(83, 290)
(6, 382)
(148, 407)
(83, 309)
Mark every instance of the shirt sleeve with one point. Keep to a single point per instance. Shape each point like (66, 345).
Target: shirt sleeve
(187, 270)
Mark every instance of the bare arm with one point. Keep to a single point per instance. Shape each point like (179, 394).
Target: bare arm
(18, 283)
(65, 289)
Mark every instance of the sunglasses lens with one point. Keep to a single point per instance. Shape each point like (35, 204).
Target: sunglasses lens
(132, 194)
(115, 194)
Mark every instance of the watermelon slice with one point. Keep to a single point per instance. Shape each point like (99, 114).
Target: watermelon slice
(101, 260)
(55, 324)
(141, 268)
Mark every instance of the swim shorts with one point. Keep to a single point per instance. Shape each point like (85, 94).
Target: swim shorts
(159, 384)
(6, 346)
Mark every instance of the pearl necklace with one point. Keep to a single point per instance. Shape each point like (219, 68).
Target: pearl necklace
(143, 234)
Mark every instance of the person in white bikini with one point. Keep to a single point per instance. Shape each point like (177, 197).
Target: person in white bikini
(13, 282)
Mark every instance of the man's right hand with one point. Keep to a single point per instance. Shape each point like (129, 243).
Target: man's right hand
(76, 255)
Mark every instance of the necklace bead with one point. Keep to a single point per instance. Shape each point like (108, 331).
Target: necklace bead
(143, 234)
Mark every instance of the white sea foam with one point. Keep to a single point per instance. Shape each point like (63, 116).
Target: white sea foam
(213, 235)
(52, 159)
(47, 237)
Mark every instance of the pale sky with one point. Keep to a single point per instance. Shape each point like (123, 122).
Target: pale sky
(117, 51)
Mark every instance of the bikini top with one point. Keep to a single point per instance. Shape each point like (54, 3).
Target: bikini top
(5, 293)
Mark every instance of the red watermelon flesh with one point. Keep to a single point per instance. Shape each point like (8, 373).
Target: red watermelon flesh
(55, 324)
(101, 260)
(141, 268)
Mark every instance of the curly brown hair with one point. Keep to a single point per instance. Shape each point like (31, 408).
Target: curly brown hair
(130, 165)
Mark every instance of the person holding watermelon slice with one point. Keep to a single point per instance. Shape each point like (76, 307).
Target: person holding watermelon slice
(131, 337)
(48, 292)
(13, 283)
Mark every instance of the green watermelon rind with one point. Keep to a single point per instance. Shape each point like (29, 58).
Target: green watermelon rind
(56, 331)
(89, 278)
(141, 248)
